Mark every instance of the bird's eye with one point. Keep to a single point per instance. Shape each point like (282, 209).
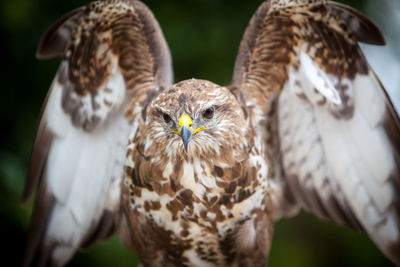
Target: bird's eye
(167, 118)
(208, 113)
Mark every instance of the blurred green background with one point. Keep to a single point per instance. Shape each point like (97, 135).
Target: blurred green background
(204, 37)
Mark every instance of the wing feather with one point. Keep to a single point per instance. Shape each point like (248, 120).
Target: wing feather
(337, 131)
(115, 59)
(54, 41)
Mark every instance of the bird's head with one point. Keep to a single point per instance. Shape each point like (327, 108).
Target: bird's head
(195, 117)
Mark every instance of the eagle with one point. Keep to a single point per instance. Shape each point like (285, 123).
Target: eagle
(194, 173)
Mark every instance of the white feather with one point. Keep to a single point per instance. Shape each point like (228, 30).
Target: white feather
(354, 154)
(319, 79)
(83, 169)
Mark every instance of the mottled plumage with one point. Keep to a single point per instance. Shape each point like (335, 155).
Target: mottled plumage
(195, 174)
(200, 199)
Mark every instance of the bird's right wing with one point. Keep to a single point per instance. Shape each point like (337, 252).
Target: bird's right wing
(115, 59)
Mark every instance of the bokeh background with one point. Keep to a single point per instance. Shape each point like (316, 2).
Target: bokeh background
(204, 37)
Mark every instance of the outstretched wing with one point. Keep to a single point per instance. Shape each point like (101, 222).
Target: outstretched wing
(330, 126)
(115, 59)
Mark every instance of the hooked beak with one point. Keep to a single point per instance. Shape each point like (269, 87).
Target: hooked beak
(185, 130)
(186, 134)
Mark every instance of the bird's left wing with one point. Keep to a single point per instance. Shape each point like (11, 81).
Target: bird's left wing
(331, 128)
(115, 59)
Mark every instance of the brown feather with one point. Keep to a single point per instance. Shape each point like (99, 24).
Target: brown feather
(365, 30)
(55, 39)
(37, 253)
(39, 154)
(102, 230)
(157, 45)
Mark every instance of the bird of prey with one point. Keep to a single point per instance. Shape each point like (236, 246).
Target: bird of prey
(194, 173)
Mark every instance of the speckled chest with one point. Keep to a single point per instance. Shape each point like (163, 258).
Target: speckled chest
(194, 212)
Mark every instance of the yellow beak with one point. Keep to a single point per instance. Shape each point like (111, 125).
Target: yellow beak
(186, 131)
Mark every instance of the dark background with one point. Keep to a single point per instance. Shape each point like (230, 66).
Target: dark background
(203, 36)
